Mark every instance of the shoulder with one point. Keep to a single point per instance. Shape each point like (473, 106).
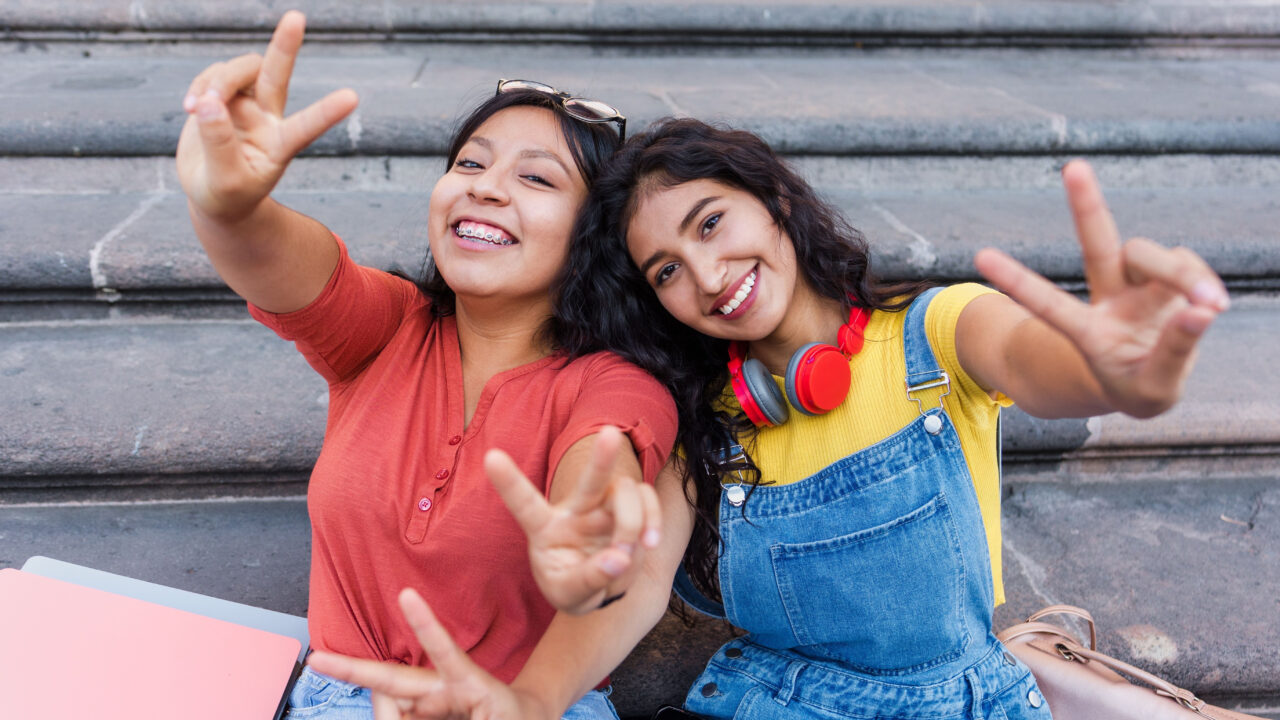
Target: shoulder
(606, 366)
(944, 311)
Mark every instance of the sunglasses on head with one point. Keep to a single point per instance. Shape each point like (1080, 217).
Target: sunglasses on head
(589, 111)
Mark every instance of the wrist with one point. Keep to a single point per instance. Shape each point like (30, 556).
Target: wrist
(533, 706)
(260, 214)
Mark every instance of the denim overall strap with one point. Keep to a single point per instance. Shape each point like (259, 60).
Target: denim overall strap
(693, 597)
(923, 370)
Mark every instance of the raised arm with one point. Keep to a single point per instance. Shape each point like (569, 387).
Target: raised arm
(233, 150)
(1129, 349)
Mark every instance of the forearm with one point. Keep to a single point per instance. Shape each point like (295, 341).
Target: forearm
(1006, 349)
(276, 258)
(1048, 377)
(578, 651)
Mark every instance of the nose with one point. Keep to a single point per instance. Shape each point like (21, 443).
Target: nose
(488, 187)
(711, 274)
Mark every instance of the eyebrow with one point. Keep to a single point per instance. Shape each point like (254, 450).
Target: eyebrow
(684, 225)
(535, 154)
(693, 211)
(485, 143)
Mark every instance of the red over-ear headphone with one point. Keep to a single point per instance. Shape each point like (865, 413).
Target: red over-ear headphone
(817, 376)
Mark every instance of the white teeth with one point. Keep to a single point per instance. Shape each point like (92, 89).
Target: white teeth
(739, 296)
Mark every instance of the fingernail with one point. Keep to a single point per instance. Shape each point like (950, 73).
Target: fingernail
(189, 102)
(651, 538)
(211, 107)
(1207, 292)
(613, 565)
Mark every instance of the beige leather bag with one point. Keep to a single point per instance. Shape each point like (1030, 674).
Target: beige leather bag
(1081, 683)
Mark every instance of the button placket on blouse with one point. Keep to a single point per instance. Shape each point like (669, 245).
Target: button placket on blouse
(418, 522)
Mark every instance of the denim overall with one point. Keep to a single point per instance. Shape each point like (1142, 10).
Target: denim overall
(865, 589)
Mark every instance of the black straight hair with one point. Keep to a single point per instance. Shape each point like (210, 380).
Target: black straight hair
(604, 291)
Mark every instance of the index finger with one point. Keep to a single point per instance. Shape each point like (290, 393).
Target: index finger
(1033, 291)
(389, 678)
(272, 89)
(530, 509)
(1095, 228)
(449, 660)
(597, 476)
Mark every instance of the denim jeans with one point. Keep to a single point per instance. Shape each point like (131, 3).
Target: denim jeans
(317, 696)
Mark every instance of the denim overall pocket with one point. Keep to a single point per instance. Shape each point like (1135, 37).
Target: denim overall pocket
(886, 600)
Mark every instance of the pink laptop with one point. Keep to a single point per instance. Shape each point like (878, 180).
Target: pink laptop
(69, 652)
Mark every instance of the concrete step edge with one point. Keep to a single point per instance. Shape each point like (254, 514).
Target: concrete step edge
(125, 234)
(1036, 18)
(169, 398)
(836, 103)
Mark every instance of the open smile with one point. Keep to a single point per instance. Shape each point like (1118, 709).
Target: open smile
(482, 233)
(730, 304)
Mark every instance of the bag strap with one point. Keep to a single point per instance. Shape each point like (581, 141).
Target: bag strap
(1007, 635)
(1073, 611)
(1185, 698)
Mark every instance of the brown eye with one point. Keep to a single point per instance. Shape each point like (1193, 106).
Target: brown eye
(710, 223)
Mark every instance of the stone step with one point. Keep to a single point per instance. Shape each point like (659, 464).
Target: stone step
(1181, 576)
(717, 21)
(77, 99)
(154, 408)
(79, 226)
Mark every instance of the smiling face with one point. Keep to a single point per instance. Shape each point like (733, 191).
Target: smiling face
(500, 218)
(716, 259)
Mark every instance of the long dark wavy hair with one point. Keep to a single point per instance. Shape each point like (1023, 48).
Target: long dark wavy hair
(605, 303)
(591, 144)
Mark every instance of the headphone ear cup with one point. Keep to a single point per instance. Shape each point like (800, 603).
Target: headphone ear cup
(818, 378)
(765, 392)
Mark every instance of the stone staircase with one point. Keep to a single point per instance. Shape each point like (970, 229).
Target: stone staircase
(149, 427)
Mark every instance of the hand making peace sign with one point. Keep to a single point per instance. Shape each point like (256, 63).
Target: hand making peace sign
(236, 142)
(585, 549)
(1148, 304)
(456, 688)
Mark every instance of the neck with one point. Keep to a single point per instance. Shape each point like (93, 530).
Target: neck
(499, 335)
(810, 318)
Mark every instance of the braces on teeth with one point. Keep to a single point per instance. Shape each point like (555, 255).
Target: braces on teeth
(477, 235)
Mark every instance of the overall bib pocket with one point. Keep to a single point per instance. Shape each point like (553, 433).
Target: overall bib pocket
(887, 600)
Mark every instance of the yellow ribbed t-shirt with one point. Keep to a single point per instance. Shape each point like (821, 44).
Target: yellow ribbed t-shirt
(877, 407)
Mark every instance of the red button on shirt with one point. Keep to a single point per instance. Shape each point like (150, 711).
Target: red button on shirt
(455, 439)
(442, 473)
(424, 504)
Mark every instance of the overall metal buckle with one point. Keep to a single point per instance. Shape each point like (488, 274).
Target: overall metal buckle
(734, 492)
(917, 382)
